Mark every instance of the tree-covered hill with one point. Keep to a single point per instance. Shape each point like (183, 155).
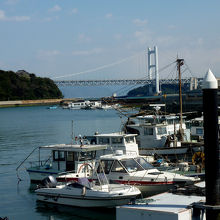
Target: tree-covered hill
(24, 86)
(165, 88)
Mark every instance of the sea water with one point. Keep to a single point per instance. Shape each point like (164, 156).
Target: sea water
(24, 128)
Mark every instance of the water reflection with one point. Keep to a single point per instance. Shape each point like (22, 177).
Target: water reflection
(54, 211)
(22, 130)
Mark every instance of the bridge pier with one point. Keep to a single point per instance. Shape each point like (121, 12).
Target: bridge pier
(153, 64)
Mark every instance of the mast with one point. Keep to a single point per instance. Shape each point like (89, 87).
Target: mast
(180, 62)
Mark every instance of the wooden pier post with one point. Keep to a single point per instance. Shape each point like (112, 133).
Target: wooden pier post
(211, 145)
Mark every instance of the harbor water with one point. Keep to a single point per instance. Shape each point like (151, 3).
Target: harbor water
(24, 128)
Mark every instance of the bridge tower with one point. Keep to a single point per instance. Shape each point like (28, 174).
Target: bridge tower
(153, 65)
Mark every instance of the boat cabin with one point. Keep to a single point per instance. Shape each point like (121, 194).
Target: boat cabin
(169, 120)
(156, 131)
(63, 158)
(119, 163)
(116, 141)
(197, 129)
(71, 157)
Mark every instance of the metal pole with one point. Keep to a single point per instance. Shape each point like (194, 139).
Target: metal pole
(180, 62)
(211, 145)
(72, 132)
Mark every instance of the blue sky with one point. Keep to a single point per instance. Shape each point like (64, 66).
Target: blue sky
(100, 39)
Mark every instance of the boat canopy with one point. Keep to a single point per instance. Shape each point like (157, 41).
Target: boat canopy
(74, 147)
(116, 134)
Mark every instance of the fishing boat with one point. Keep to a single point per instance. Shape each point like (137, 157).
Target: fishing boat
(159, 134)
(135, 170)
(86, 194)
(62, 158)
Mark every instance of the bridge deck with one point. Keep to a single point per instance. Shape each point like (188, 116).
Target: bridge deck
(120, 82)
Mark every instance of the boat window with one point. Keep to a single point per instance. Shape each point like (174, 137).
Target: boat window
(148, 120)
(199, 131)
(131, 165)
(161, 130)
(103, 140)
(58, 155)
(197, 123)
(70, 156)
(55, 155)
(129, 139)
(144, 163)
(87, 155)
(148, 131)
(117, 140)
(105, 165)
(61, 155)
(117, 167)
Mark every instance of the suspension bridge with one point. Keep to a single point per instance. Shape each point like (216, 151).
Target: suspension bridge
(152, 78)
(124, 82)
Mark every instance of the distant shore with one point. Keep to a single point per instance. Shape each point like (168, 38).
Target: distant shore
(33, 102)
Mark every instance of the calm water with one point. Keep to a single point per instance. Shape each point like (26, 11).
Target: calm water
(25, 128)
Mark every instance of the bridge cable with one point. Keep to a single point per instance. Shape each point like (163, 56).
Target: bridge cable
(98, 68)
(131, 87)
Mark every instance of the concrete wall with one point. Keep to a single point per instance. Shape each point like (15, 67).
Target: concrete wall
(29, 102)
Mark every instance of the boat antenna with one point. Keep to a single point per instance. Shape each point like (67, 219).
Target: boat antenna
(72, 135)
(180, 62)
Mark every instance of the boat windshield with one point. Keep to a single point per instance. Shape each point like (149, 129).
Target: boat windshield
(129, 139)
(144, 163)
(89, 155)
(131, 165)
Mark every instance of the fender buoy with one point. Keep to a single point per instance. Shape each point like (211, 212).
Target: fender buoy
(198, 158)
(83, 191)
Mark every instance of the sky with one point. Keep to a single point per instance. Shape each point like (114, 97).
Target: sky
(100, 39)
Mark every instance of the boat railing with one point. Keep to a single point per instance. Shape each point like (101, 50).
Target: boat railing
(18, 167)
(41, 163)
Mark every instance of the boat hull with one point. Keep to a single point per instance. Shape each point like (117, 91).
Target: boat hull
(86, 197)
(147, 188)
(82, 201)
(169, 150)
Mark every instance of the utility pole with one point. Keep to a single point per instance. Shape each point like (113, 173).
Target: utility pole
(180, 62)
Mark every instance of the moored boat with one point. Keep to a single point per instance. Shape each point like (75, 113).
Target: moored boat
(87, 194)
(135, 170)
(62, 158)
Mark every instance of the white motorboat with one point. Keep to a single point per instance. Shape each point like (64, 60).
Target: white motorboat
(135, 170)
(87, 194)
(84, 105)
(62, 158)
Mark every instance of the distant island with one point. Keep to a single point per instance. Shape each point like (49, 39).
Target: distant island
(165, 88)
(22, 85)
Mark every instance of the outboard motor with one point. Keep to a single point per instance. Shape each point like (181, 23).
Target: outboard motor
(49, 182)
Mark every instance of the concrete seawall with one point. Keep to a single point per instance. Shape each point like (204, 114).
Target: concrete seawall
(37, 102)
(30, 102)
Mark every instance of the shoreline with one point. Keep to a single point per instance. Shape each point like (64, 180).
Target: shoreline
(21, 103)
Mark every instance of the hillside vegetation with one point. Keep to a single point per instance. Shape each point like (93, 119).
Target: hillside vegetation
(24, 86)
(165, 88)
